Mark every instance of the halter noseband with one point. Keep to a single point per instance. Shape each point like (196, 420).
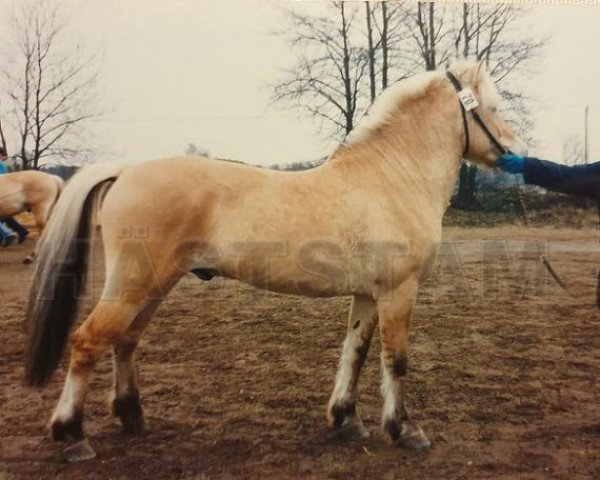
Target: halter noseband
(494, 141)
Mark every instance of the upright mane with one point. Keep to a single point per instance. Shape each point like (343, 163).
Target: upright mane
(403, 91)
(470, 74)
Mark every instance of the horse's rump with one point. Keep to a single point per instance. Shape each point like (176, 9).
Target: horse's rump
(20, 191)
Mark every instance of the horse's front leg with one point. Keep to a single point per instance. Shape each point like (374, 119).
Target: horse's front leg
(342, 405)
(395, 312)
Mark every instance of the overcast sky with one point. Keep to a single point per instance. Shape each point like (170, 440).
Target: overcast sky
(197, 71)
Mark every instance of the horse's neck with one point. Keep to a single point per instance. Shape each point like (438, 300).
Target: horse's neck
(413, 155)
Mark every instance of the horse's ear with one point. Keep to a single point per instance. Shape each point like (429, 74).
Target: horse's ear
(479, 71)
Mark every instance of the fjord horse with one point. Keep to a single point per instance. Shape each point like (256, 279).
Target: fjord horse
(32, 191)
(366, 223)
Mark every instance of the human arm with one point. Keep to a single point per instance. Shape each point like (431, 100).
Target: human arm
(581, 180)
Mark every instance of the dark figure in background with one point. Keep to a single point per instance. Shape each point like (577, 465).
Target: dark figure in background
(580, 180)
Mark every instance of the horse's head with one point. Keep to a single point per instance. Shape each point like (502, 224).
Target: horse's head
(487, 135)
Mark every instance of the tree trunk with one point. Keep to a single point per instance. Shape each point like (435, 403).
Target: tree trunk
(26, 119)
(467, 186)
(468, 174)
(384, 46)
(371, 53)
(3, 139)
(432, 60)
(467, 37)
(347, 82)
(472, 184)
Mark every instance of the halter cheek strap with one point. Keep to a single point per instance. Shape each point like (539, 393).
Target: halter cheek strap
(493, 140)
(463, 112)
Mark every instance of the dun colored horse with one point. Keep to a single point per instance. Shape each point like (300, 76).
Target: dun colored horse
(32, 191)
(366, 223)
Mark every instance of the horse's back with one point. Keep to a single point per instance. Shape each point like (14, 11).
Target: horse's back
(183, 184)
(39, 186)
(20, 191)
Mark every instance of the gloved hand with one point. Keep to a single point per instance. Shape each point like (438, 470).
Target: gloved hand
(511, 163)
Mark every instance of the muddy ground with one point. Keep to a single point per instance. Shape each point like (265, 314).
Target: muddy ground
(503, 377)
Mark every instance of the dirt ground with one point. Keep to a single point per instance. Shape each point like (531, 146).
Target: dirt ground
(503, 377)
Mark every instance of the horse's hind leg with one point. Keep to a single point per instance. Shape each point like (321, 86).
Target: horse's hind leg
(342, 405)
(109, 320)
(126, 402)
(40, 214)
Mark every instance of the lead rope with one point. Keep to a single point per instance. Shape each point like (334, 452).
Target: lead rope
(598, 284)
(543, 258)
(458, 87)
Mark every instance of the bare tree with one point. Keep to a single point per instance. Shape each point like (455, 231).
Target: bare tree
(486, 32)
(389, 54)
(2, 137)
(385, 45)
(371, 52)
(327, 80)
(346, 59)
(430, 33)
(50, 84)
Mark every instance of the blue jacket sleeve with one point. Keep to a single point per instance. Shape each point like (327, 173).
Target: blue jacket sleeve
(581, 180)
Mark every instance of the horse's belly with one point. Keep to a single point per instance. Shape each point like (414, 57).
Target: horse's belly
(311, 275)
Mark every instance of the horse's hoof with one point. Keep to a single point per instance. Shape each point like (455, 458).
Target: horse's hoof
(70, 430)
(412, 437)
(346, 420)
(355, 427)
(79, 452)
(28, 261)
(352, 429)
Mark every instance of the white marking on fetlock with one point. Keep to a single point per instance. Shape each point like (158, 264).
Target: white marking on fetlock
(71, 398)
(342, 394)
(344, 375)
(390, 389)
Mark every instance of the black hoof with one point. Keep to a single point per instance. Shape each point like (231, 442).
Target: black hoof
(339, 412)
(68, 430)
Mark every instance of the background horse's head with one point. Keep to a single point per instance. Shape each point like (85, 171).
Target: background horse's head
(481, 146)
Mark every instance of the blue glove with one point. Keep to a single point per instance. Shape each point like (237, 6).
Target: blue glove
(511, 163)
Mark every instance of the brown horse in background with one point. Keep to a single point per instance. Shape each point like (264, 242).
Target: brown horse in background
(366, 223)
(29, 191)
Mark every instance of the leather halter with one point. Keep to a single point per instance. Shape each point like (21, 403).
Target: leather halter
(494, 141)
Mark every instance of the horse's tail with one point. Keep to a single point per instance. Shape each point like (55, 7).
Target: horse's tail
(60, 269)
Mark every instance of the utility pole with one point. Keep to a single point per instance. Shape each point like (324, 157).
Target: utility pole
(585, 134)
